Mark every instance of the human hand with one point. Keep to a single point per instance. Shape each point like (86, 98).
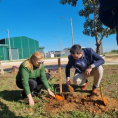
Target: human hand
(51, 93)
(31, 101)
(68, 82)
(88, 71)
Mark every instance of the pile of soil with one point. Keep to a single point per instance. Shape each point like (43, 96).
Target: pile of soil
(91, 103)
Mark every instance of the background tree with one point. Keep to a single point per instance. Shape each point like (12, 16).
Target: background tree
(114, 51)
(92, 26)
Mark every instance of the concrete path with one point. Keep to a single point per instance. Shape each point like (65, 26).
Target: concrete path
(46, 62)
(49, 63)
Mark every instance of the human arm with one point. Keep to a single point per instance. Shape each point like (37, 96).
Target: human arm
(45, 82)
(67, 71)
(98, 60)
(24, 79)
(95, 61)
(24, 72)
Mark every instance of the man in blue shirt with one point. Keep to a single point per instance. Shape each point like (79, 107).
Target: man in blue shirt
(86, 63)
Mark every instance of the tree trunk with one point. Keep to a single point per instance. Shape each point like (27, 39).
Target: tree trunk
(98, 48)
(95, 28)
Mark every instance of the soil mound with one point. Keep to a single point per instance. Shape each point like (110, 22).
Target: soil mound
(94, 104)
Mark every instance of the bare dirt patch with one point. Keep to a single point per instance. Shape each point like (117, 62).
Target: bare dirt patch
(84, 102)
(94, 104)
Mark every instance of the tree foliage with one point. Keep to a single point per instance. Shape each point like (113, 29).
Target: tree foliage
(89, 24)
(92, 26)
(70, 2)
(114, 51)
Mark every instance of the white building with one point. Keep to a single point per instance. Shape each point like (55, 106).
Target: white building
(67, 51)
(52, 54)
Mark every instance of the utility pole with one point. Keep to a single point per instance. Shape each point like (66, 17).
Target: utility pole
(71, 28)
(59, 44)
(10, 55)
(72, 31)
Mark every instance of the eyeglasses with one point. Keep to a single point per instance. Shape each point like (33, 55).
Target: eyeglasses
(40, 62)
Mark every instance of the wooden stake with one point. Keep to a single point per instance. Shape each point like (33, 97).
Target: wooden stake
(1, 69)
(60, 78)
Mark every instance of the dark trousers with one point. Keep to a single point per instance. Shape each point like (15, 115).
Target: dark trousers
(34, 84)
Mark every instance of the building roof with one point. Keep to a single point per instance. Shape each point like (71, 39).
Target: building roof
(55, 51)
(41, 47)
(18, 37)
(67, 48)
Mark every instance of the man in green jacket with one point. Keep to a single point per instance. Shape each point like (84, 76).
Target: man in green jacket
(32, 75)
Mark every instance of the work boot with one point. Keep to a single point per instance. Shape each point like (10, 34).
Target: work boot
(85, 86)
(94, 90)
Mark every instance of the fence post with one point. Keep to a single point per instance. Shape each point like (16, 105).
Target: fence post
(1, 69)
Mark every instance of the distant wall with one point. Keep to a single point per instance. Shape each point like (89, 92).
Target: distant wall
(49, 55)
(21, 48)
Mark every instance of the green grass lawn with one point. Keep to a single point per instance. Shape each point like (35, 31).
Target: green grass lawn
(13, 106)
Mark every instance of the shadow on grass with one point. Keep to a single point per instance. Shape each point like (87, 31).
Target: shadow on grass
(13, 95)
(55, 66)
(6, 113)
(8, 70)
(77, 89)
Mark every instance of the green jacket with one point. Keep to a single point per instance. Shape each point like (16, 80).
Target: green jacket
(25, 74)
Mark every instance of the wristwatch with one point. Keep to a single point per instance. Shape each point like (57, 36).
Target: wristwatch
(90, 67)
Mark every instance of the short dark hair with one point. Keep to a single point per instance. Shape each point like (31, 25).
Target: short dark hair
(76, 49)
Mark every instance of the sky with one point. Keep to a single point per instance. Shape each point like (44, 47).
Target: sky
(41, 20)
